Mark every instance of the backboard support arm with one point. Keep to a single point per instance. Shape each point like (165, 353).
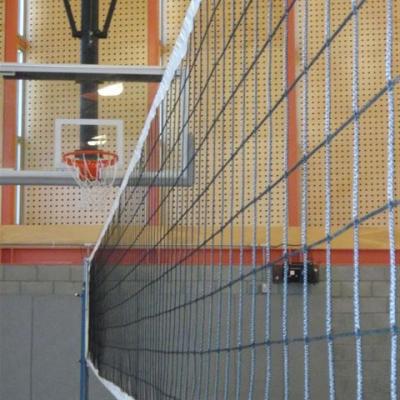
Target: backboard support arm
(71, 20)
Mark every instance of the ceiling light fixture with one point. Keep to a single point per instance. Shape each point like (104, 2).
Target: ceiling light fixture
(111, 90)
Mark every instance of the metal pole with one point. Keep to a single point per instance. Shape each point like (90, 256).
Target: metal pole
(89, 55)
(84, 378)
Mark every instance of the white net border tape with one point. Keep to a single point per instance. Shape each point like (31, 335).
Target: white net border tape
(177, 55)
(111, 387)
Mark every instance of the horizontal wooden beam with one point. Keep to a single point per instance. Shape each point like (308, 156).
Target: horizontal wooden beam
(184, 236)
(48, 235)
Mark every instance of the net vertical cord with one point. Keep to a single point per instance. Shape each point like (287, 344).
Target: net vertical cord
(284, 317)
(391, 199)
(253, 290)
(221, 246)
(355, 204)
(213, 111)
(268, 274)
(327, 133)
(242, 125)
(231, 207)
(304, 206)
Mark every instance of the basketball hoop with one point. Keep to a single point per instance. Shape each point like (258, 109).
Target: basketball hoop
(94, 171)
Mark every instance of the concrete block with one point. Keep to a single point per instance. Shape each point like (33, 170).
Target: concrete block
(342, 273)
(345, 384)
(76, 273)
(343, 322)
(15, 347)
(342, 305)
(53, 273)
(66, 288)
(365, 289)
(344, 369)
(368, 304)
(20, 273)
(319, 289)
(322, 273)
(336, 289)
(55, 349)
(250, 288)
(238, 287)
(374, 304)
(344, 352)
(378, 379)
(96, 389)
(374, 321)
(293, 289)
(380, 289)
(376, 352)
(374, 274)
(9, 287)
(37, 288)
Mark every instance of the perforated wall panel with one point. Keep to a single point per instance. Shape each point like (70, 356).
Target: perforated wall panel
(51, 42)
(239, 117)
(374, 122)
(173, 12)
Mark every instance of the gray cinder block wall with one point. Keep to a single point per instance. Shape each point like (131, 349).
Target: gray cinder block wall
(40, 334)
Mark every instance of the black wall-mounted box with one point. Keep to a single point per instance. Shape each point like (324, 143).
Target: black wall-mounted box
(295, 273)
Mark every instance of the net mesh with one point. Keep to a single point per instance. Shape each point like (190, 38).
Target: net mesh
(274, 144)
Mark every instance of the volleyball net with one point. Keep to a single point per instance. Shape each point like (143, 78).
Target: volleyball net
(232, 263)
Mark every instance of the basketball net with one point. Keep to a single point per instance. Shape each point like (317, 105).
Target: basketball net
(94, 171)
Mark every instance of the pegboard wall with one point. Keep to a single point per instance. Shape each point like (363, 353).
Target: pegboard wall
(51, 42)
(373, 123)
(172, 14)
(239, 117)
(49, 34)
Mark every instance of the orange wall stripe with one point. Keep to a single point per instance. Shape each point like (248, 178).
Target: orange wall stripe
(75, 256)
(153, 58)
(9, 118)
(294, 178)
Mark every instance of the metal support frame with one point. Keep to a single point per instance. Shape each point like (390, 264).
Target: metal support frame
(81, 72)
(89, 55)
(84, 375)
(101, 34)
(184, 177)
(104, 32)
(71, 20)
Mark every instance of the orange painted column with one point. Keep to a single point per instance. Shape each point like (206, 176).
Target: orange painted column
(9, 113)
(293, 147)
(153, 58)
